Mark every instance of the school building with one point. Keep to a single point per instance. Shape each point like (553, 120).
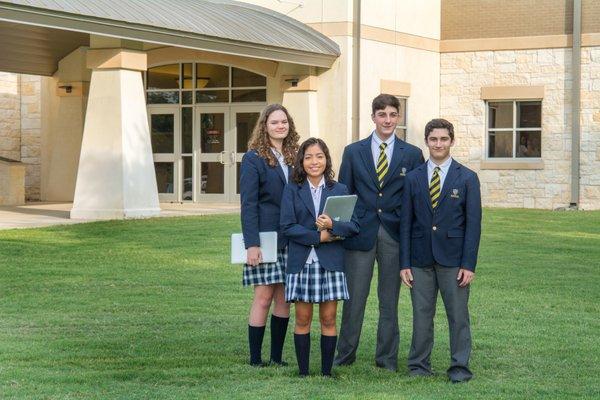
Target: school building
(117, 106)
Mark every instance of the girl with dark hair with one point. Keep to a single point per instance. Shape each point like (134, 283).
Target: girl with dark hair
(315, 265)
(264, 173)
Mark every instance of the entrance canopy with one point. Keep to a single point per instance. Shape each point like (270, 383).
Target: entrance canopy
(36, 34)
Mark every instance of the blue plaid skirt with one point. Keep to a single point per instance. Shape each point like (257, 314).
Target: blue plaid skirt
(314, 284)
(266, 273)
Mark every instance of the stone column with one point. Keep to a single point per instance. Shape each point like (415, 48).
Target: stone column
(115, 178)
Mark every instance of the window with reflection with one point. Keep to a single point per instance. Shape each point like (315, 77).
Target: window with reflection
(198, 83)
(164, 177)
(243, 78)
(163, 77)
(514, 129)
(401, 127)
(212, 76)
(162, 127)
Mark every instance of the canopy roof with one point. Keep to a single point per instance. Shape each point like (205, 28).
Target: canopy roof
(35, 34)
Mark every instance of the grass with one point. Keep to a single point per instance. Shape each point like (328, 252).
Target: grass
(152, 309)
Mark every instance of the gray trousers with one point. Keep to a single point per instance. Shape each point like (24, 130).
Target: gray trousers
(424, 292)
(359, 272)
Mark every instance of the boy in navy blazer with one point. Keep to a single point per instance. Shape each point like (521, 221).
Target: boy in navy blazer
(439, 236)
(374, 169)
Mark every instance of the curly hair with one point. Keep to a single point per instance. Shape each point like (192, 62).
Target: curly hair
(299, 174)
(260, 141)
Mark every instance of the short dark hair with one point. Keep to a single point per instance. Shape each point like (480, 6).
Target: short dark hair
(439, 123)
(299, 174)
(383, 100)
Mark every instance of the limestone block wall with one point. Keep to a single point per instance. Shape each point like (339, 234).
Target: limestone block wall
(10, 116)
(31, 134)
(20, 126)
(590, 128)
(461, 77)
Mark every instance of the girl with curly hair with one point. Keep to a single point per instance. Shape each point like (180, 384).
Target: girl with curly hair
(265, 170)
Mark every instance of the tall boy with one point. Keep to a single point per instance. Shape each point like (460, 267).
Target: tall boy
(374, 169)
(439, 236)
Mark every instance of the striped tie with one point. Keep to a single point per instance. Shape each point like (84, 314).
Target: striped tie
(382, 164)
(434, 187)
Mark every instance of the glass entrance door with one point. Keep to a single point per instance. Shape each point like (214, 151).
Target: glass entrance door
(223, 134)
(164, 134)
(214, 156)
(243, 120)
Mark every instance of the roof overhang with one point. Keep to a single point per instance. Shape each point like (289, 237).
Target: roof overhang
(33, 39)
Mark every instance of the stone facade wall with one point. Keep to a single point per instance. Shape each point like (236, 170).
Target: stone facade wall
(10, 116)
(461, 78)
(31, 134)
(590, 128)
(20, 126)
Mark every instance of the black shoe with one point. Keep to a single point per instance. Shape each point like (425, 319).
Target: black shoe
(391, 369)
(416, 372)
(339, 363)
(278, 363)
(259, 364)
(463, 380)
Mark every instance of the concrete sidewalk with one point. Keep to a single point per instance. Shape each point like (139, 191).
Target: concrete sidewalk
(34, 215)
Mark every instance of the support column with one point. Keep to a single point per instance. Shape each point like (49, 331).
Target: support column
(115, 178)
(300, 98)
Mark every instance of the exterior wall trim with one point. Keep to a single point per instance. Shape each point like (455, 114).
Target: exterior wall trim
(376, 34)
(511, 164)
(396, 88)
(517, 43)
(512, 92)
(116, 59)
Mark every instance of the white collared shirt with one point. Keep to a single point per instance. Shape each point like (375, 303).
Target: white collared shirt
(389, 150)
(316, 197)
(282, 164)
(444, 167)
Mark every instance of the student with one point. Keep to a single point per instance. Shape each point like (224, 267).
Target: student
(374, 169)
(265, 170)
(439, 236)
(315, 268)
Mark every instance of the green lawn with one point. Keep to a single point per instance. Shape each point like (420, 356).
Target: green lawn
(152, 309)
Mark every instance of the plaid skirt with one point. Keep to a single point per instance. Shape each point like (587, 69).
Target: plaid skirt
(314, 284)
(266, 273)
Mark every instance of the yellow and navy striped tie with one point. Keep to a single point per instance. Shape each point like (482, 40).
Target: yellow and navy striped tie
(382, 164)
(434, 187)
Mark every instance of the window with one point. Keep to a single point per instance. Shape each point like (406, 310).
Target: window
(514, 129)
(198, 83)
(401, 127)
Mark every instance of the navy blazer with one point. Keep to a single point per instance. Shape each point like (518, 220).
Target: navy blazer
(261, 187)
(298, 225)
(448, 235)
(376, 205)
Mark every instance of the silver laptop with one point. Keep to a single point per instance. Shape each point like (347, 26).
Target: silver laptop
(340, 208)
(268, 247)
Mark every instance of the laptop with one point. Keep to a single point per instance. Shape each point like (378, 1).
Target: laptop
(268, 247)
(340, 208)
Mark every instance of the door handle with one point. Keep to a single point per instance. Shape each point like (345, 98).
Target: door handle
(221, 158)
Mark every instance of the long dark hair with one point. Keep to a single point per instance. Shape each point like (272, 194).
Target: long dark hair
(299, 174)
(260, 141)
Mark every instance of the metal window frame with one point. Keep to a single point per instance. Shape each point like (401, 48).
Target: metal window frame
(514, 129)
